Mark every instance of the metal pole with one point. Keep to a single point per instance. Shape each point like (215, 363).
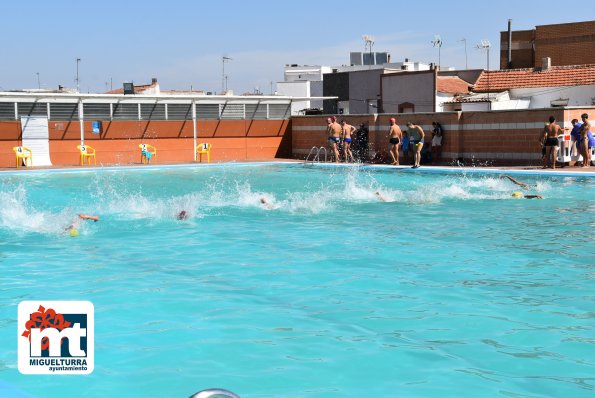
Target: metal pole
(81, 121)
(78, 60)
(223, 76)
(509, 63)
(38, 82)
(194, 125)
(466, 65)
(489, 78)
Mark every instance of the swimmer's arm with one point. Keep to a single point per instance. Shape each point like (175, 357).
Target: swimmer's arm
(89, 217)
(522, 184)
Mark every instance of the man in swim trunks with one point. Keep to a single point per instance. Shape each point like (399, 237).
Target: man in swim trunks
(334, 132)
(395, 135)
(549, 139)
(584, 140)
(346, 131)
(416, 141)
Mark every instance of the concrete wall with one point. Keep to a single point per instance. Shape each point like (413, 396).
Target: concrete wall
(496, 137)
(337, 85)
(541, 97)
(118, 143)
(364, 88)
(418, 88)
(296, 89)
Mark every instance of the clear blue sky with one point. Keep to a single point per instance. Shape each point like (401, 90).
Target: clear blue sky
(182, 42)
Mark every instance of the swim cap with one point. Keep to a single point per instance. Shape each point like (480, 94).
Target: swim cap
(393, 120)
(517, 194)
(74, 232)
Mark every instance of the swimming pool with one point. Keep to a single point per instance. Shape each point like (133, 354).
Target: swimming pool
(450, 287)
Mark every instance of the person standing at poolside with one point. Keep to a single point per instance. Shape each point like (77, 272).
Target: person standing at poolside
(437, 133)
(549, 139)
(405, 146)
(395, 135)
(584, 140)
(334, 133)
(575, 136)
(346, 131)
(416, 141)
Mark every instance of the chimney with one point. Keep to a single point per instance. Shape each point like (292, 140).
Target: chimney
(509, 63)
(546, 63)
(154, 80)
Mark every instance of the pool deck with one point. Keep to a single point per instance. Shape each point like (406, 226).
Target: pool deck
(569, 171)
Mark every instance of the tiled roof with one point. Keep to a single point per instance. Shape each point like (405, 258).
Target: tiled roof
(451, 85)
(500, 80)
(481, 97)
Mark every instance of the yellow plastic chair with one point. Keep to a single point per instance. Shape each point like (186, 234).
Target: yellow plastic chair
(204, 148)
(87, 152)
(147, 152)
(23, 154)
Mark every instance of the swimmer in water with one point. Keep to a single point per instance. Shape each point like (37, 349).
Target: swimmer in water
(72, 229)
(380, 196)
(183, 215)
(519, 195)
(265, 203)
(522, 185)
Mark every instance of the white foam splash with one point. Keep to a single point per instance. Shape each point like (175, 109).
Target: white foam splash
(18, 216)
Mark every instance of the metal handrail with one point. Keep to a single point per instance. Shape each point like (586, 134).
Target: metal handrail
(310, 153)
(325, 154)
(214, 392)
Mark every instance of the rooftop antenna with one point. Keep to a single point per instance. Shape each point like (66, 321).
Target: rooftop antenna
(465, 43)
(223, 76)
(78, 81)
(485, 45)
(368, 44)
(437, 42)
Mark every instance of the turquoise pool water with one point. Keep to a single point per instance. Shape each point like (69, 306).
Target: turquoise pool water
(450, 288)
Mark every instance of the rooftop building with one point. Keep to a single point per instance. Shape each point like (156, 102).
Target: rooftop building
(566, 44)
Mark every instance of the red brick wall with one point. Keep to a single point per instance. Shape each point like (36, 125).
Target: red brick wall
(565, 44)
(119, 140)
(522, 49)
(496, 137)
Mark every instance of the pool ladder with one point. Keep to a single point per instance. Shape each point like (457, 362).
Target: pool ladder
(316, 152)
(214, 393)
